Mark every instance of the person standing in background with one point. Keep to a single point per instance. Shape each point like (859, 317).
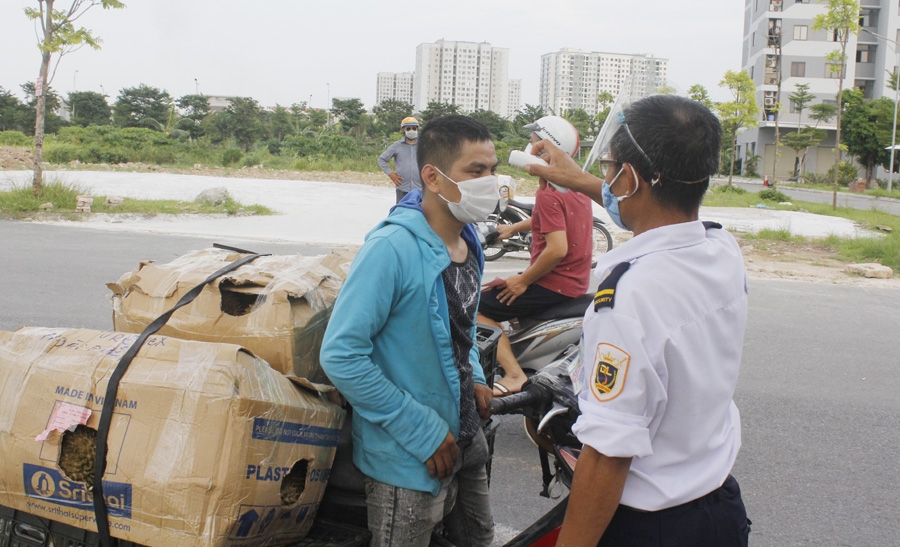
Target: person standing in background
(405, 175)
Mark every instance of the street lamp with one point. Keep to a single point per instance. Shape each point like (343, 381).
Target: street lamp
(896, 100)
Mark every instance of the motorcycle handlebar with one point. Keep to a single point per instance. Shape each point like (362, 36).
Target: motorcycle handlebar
(532, 395)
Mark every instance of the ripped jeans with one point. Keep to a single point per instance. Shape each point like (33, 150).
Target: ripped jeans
(398, 517)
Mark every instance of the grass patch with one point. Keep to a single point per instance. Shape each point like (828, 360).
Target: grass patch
(781, 234)
(21, 201)
(884, 250)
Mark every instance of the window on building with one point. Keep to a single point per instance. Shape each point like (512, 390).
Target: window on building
(865, 53)
(832, 35)
(800, 32)
(833, 71)
(753, 38)
(798, 69)
(802, 2)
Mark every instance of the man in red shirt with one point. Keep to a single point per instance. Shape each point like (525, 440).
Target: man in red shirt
(561, 227)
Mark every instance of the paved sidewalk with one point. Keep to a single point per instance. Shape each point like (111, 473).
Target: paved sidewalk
(332, 213)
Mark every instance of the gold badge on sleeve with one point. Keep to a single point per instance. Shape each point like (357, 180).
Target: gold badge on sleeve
(609, 372)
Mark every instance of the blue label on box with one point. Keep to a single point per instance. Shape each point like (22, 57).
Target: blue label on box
(294, 433)
(52, 486)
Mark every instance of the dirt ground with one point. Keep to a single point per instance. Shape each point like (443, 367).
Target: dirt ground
(804, 262)
(764, 259)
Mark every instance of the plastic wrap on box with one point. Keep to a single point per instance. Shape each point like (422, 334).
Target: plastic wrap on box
(208, 445)
(276, 306)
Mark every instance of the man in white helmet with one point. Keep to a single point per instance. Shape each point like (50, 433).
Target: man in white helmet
(561, 226)
(405, 174)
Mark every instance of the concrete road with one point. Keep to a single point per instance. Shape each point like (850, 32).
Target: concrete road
(844, 199)
(820, 463)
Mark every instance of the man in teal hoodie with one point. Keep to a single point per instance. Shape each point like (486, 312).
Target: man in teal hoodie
(400, 347)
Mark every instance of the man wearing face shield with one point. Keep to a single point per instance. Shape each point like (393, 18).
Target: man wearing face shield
(661, 348)
(401, 347)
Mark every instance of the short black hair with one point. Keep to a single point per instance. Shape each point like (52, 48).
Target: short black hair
(441, 140)
(681, 139)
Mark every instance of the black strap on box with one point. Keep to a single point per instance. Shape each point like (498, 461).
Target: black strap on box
(112, 387)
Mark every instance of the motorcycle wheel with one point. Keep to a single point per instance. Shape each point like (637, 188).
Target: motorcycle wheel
(495, 250)
(603, 241)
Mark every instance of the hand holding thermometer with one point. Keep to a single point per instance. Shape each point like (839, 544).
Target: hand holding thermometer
(520, 159)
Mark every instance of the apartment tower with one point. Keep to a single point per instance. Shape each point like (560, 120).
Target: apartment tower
(572, 78)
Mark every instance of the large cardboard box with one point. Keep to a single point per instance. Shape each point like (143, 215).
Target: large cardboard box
(208, 445)
(276, 306)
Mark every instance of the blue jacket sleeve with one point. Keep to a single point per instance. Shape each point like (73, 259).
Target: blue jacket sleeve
(360, 313)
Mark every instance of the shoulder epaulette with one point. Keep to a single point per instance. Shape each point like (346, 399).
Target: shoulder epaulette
(606, 292)
(709, 224)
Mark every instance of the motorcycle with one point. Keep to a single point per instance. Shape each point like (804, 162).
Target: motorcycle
(550, 408)
(510, 211)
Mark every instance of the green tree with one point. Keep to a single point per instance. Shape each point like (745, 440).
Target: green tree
(842, 18)
(494, 122)
(350, 113)
(581, 120)
(528, 114)
(699, 93)
(57, 35)
(13, 114)
(194, 109)
(52, 102)
(800, 98)
(279, 122)
(739, 113)
(389, 115)
(866, 126)
(437, 109)
(142, 106)
(245, 121)
(800, 141)
(89, 108)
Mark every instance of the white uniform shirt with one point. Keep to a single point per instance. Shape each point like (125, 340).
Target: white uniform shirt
(660, 367)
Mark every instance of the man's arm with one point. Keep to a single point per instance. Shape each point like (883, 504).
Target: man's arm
(563, 171)
(516, 285)
(384, 163)
(596, 491)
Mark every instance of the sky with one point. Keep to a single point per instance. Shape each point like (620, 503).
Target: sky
(290, 51)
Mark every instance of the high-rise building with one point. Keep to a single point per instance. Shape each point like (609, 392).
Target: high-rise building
(515, 99)
(572, 78)
(395, 85)
(474, 76)
(781, 50)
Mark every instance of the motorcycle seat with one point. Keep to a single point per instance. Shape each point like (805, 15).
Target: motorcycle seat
(573, 308)
(527, 207)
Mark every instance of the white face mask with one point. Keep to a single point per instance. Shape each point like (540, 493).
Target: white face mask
(412, 134)
(478, 198)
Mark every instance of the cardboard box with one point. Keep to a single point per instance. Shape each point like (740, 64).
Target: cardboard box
(208, 445)
(276, 306)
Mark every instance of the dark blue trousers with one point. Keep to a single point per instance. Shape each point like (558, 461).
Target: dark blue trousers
(718, 519)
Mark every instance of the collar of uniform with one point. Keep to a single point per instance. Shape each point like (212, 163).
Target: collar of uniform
(664, 238)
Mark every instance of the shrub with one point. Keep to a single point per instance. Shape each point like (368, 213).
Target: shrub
(15, 138)
(846, 174)
(772, 195)
(230, 156)
(61, 152)
(729, 189)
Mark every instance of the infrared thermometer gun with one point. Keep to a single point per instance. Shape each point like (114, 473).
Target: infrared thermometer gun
(520, 159)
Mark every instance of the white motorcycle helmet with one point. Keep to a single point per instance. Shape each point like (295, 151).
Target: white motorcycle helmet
(557, 130)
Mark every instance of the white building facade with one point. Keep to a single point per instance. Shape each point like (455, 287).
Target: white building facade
(781, 50)
(515, 99)
(395, 85)
(474, 76)
(571, 78)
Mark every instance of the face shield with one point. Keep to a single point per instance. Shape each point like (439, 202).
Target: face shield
(629, 93)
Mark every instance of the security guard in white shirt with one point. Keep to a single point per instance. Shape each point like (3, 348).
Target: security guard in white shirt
(662, 343)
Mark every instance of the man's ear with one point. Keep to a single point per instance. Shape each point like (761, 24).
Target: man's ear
(430, 178)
